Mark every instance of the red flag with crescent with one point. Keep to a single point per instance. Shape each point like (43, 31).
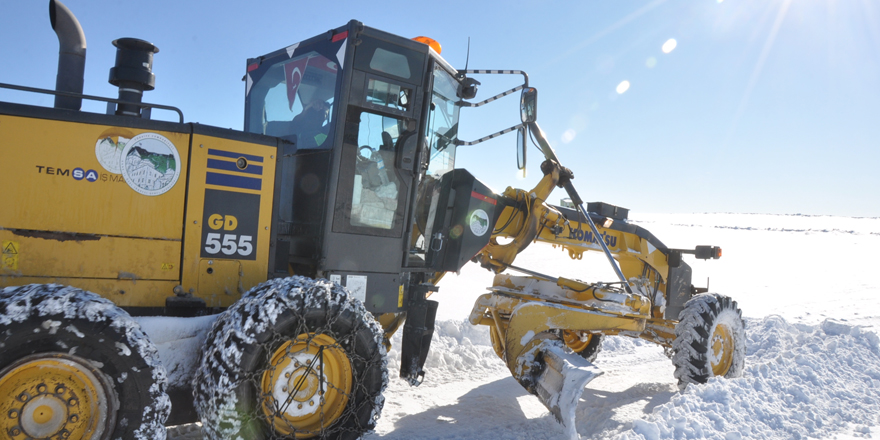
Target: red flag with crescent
(293, 74)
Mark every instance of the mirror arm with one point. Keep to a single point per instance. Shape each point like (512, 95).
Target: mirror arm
(498, 96)
(486, 138)
(499, 72)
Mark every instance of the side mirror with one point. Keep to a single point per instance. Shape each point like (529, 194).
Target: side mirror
(528, 105)
(467, 89)
(521, 147)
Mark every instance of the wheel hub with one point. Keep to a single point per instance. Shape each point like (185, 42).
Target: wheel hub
(307, 384)
(55, 395)
(43, 416)
(576, 341)
(721, 350)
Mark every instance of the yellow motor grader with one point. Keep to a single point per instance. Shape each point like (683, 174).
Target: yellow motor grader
(159, 273)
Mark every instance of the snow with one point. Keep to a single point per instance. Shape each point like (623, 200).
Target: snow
(808, 290)
(178, 341)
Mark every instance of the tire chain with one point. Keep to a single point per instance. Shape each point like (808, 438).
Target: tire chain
(304, 311)
(277, 339)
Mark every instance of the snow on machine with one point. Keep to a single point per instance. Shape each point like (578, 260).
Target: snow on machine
(277, 262)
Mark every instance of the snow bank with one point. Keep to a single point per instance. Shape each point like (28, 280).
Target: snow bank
(800, 381)
(809, 224)
(458, 350)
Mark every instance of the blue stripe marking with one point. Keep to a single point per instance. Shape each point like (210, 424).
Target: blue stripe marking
(230, 166)
(234, 181)
(230, 154)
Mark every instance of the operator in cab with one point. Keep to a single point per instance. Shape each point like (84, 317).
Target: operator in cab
(310, 125)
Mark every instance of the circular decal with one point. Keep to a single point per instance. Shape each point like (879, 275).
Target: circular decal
(150, 164)
(479, 221)
(109, 146)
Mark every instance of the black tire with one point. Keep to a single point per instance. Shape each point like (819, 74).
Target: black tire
(74, 338)
(245, 342)
(710, 340)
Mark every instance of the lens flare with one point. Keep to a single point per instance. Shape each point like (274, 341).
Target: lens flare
(669, 45)
(622, 87)
(568, 136)
(651, 62)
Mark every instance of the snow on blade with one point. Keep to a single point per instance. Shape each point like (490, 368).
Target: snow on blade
(562, 382)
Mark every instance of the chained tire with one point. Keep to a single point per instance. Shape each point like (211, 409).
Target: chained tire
(75, 366)
(710, 340)
(294, 358)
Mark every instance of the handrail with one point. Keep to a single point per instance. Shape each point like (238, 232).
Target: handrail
(93, 98)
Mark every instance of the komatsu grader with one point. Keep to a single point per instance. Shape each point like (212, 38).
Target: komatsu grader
(300, 245)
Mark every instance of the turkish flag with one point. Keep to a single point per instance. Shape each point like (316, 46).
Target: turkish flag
(293, 74)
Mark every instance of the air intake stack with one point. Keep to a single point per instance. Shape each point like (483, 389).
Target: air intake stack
(133, 73)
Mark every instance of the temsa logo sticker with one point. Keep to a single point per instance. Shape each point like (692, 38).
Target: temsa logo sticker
(76, 173)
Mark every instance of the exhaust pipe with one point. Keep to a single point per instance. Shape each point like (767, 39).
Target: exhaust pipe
(71, 55)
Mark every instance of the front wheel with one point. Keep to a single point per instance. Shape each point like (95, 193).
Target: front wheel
(710, 340)
(295, 358)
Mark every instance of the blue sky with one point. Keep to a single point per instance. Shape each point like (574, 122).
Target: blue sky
(769, 106)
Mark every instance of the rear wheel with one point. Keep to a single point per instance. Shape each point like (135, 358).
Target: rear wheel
(295, 358)
(75, 366)
(709, 340)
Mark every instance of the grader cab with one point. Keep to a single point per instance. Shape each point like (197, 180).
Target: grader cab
(286, 255)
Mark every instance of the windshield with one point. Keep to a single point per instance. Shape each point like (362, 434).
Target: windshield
(442, 123)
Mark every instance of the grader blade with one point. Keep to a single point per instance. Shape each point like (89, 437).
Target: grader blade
(562, 381)
(538, 359)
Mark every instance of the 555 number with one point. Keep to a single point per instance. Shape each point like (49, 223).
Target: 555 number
(228, 245)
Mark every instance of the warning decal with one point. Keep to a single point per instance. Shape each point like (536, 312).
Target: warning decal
(10, 255)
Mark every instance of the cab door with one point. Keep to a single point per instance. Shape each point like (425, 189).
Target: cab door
(367, 244)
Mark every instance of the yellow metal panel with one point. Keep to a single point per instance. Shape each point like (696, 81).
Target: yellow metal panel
(228, 217)
(220, 282)
(57, 178)
(93, 257)
(124, 293)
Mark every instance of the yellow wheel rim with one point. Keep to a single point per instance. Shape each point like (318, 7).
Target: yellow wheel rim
(721, 350)
(575, 341)
(307, 385)
(55, 395)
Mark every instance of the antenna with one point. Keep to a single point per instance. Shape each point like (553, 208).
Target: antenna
(468, 57)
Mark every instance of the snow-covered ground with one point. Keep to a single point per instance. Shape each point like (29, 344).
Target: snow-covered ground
(809, 290)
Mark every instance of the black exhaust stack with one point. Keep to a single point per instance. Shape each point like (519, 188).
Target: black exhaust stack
(133, 73)
(71, 55)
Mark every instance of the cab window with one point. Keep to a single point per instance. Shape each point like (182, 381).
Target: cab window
(295, 98)
(376, 187)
